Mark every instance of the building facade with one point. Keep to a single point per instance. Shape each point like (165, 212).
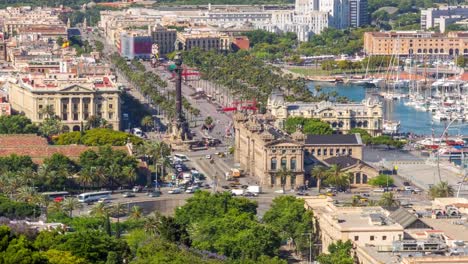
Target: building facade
(165, 38)
(358, 13)
(134, 46)
(437, 17)
(202, 40)
(367, 115)
(406, 43)
(71, 98)
(264, 151)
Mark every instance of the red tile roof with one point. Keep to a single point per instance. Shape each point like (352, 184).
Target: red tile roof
(37, 147)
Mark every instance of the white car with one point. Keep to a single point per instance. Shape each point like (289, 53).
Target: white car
(279, 191)
(409, 188)
(192, 189)
(175, 191)
(208, 156)
(379, 190)
(104, 200)
(417, 190)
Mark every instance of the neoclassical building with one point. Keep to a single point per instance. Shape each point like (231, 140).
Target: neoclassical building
(367, 115)
(262, 150)
(73, 99)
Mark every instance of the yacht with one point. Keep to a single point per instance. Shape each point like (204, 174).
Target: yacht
(391, 127)
(440, 116)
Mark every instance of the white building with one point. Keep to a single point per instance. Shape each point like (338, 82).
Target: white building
(442, 16)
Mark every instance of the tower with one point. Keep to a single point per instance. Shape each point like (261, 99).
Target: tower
(180, 128)
(68, 23)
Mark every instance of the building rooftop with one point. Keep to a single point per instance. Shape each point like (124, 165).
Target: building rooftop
(354, 139)
(403, 217)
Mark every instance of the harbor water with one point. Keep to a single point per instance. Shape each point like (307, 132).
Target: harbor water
(411, 120)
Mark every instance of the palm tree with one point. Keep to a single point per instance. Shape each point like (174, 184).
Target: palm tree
(118, 210)
(55, 207)
(336, 177)
(99, 210)
(26, 193)
(156, 151)
(319, 172)
(147, 122)
(442, 189)
(283, 175)
(70, 204)
(388, 200)
(47, 111)
(152, 223)
(136, 212)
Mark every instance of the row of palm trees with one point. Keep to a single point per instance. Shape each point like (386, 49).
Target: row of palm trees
(333, 176)
(245, 76)
(152, 86)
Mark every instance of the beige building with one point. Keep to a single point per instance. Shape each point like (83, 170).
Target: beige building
(72, 98)
(362, 225)
(263, 151)
(165, 38)
(204, 40)
(406, 43)
(367, 115)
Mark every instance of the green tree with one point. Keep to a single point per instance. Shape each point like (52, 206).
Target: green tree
(147, 122)
(50, 127)
(338, 178)
(71, 204)
(388, 200)
(365, 136)
(208, 121)
(441, 189)
(319, 173)
(289, 218)
(62, 257)
(381, 180)
(340, 253)
(16, 124)
(461, 61)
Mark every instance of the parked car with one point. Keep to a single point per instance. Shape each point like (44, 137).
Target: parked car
(405, 183)
(104, 200)
(225, 187)
(249, 194)
(302, 193)
(137, 189)
(175, 191)
(128, 194)
(192, 189)
(154, 194)
(280, 191)
(208, 157)
(379, 190)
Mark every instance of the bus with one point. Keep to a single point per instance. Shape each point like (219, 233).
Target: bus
(55, 196)
(93, 196)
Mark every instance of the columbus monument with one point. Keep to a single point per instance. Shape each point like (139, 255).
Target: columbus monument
(180, 129)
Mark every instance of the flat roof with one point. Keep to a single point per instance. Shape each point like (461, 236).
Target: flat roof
(333, 140)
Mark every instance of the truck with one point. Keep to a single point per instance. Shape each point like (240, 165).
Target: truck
(254, 189)
(237, 192)
(232, 174)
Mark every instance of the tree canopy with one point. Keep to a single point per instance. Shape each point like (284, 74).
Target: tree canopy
(309, 126)
(381, 180)
(16, 124)
(340, 253)
(97, 137)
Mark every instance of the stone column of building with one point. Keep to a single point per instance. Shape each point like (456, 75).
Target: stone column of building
(80, 110)
(91, 106)
(70, 102)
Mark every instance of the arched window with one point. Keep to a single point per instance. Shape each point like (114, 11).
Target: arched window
(273, 164)
(450, 51)
(292, 164)
(436, 50)
(283, 163)
(419, 50)
(364, 179)
(357, 178)
(465, 51)
(424, 50)
(430, 51)
(441, 51)
(457, 51)
(365, 123)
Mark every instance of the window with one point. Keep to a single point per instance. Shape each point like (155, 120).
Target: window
(371, 238)
(283, 163)
(343, 151)
(312, 151)
(319, 152)
(110, 106)
(293, 164)
(273, 164)
(350, 151)
(384, 237)
(331, 152)
(324, 152)
(356, 238)
(111, 115)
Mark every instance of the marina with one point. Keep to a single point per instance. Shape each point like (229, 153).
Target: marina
(417, 114)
